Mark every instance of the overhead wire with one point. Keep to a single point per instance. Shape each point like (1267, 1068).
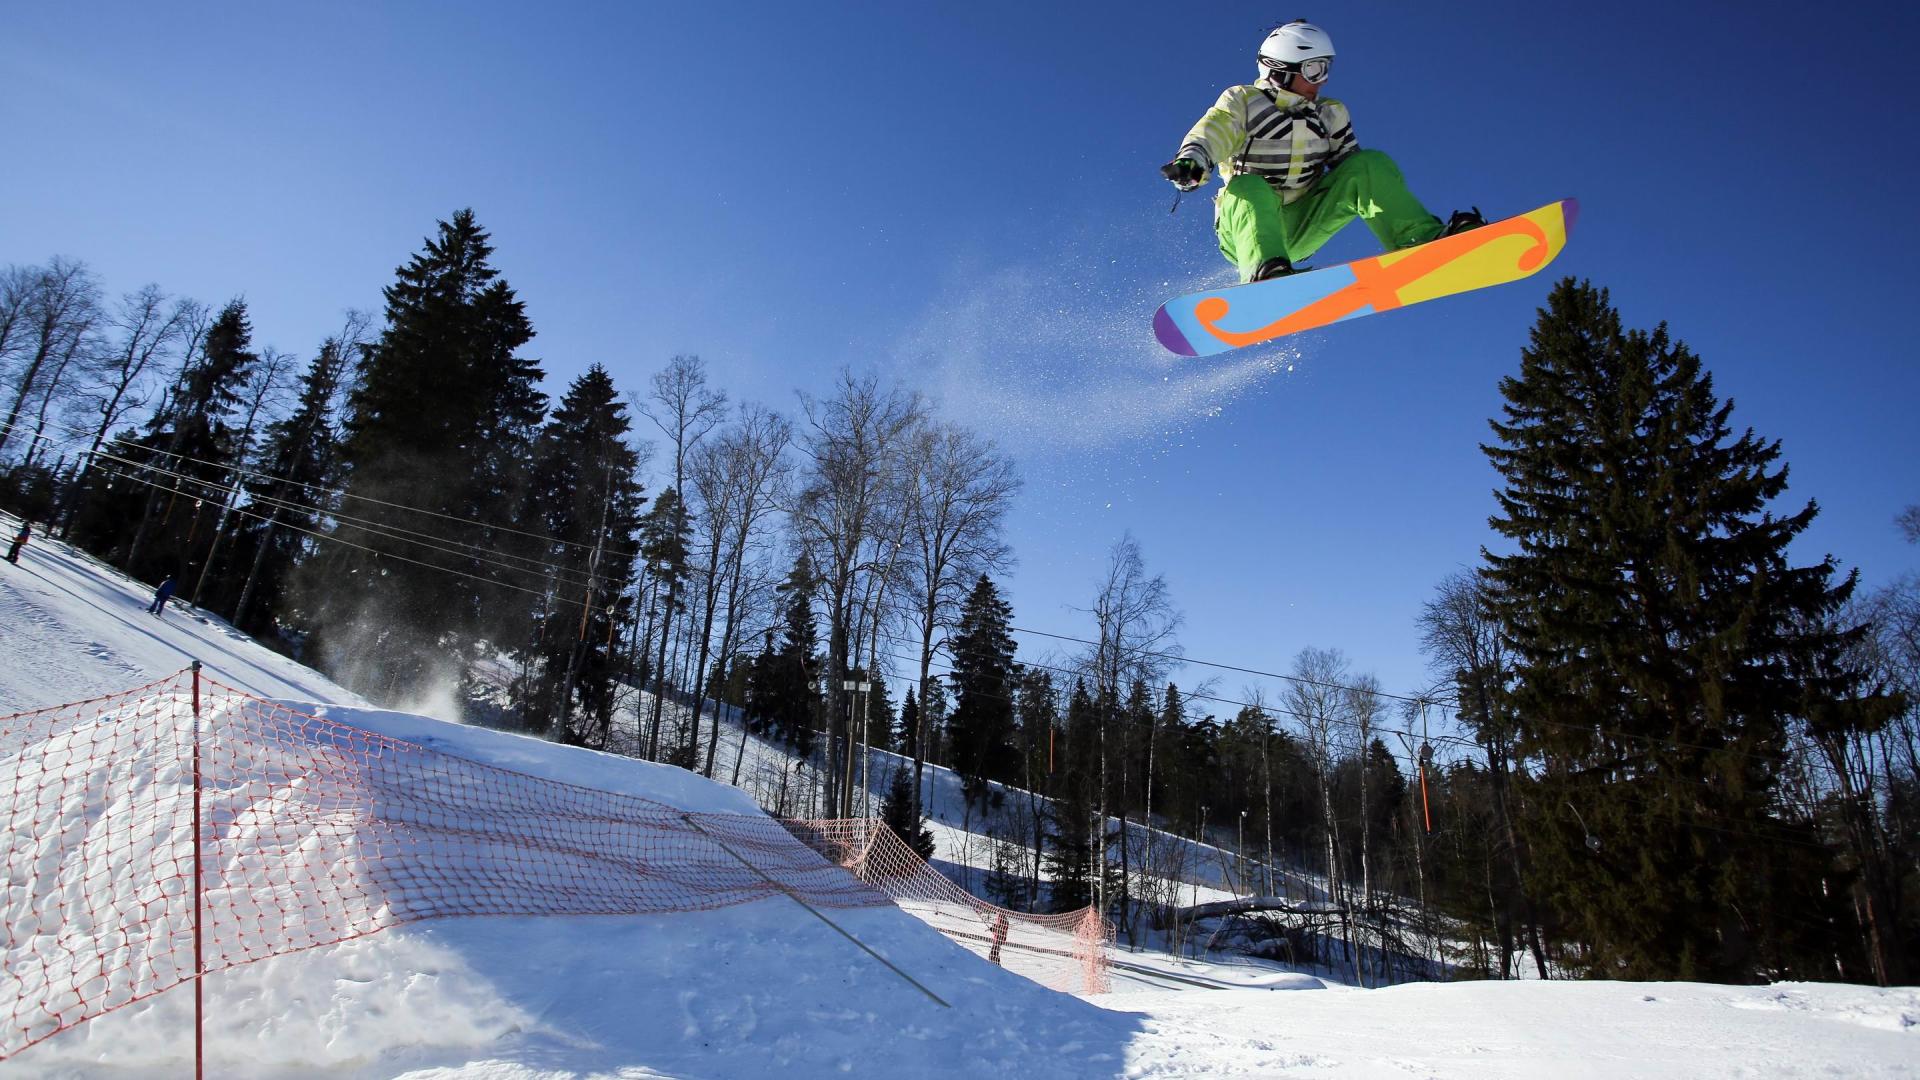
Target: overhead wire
(331, 538)
(1337, 748)
(570, 576)
(463, 549)
(1352, 749)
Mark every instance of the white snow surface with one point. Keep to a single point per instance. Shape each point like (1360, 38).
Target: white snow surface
(767, 989)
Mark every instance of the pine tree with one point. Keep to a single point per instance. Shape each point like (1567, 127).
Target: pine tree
(1655, 614)
(1006, 883)
(585, 500)
(1070, 836)
(908, 723)
(1164, 760)
(982, 723)
(896, 811)
(185, 453)
(791, 701)
(1037, 709)
(438, 446)
(757, 701)
(289, 495)
(879, 709)
(933, 720)
(665, 536)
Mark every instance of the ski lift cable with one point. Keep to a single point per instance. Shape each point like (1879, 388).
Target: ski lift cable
(1461, 742)
(1023, 630)
(477, 552)
(1776, 833)
(347, 494)
(1454, 707)
(562, 599)
(1468, 745)
(1647, 739)
(80, 436)
(241, 471)
(1300, 680)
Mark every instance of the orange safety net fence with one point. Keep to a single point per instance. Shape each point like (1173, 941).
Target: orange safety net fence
(310, 831)
(1071, 952)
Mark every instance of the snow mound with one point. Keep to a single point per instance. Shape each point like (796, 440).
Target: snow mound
(316, 831)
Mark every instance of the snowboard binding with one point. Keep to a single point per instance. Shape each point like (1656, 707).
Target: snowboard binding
(1462, 220)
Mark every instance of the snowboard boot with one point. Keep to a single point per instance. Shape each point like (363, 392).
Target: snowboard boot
(1278, 266)
(1462, 220)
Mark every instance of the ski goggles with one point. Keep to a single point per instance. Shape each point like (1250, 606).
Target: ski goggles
(1314, 69)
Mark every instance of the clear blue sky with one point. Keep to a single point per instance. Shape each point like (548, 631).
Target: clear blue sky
(965, 197)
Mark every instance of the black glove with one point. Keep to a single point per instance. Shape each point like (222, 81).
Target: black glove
(1185, 173)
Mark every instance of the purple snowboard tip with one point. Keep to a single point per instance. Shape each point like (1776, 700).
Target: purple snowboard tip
(1170, 335)
(1570, 212)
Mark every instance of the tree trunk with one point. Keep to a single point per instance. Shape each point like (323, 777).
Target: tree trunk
(700, 665)
(259, 557)
(660, 671)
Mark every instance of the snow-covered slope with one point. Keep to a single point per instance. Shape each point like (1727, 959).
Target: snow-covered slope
(72, 628)
(765, 988)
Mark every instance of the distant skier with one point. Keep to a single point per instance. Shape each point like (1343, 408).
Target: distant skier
(1294, 174)
(999, 936)
(19, 541)
(160, 597)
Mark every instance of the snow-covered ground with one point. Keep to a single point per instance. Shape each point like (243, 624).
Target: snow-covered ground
(766, 989)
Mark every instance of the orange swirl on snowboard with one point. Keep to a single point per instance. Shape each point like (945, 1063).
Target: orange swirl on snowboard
(1491, 255)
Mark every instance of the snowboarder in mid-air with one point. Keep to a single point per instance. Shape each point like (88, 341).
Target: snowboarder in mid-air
(1294, 174)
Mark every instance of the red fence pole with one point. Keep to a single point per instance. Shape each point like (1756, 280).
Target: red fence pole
(199, 959)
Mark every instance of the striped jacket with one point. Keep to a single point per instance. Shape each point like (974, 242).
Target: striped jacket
(1279, 136)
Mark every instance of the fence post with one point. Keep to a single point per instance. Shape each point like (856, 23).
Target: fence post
(199, 957)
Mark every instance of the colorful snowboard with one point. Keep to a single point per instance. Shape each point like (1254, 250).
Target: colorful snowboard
(1202, 324)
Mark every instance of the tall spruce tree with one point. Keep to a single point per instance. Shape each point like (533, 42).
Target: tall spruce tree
(436, 559)
(897, 810)
(585, 500)
(909, 722)
(186, 452)
(1037, 711)
(761, 690)
(665, 534)
(879, 710)
(1070, 833)
(934, 708)
(981, 727)
(1655, 618)
(287, 495)
(790, 695)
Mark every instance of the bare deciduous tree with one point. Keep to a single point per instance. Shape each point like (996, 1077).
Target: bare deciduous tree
(1137, 622)
(145, 325)
(1463, 644)
(1363, 707)
(957, 500)
(59, 306)
(853, 442)
(1315, 696)
(77, 355)
(266, 388)
(16, 298)
(685, 411)
(736, 483)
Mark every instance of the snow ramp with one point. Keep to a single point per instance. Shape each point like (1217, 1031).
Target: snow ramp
(186, 828)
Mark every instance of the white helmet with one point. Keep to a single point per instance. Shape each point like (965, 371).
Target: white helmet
(1296, 41)
(1298, 48)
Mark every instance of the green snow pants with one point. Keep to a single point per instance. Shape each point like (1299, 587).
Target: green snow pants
(1254, 225)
